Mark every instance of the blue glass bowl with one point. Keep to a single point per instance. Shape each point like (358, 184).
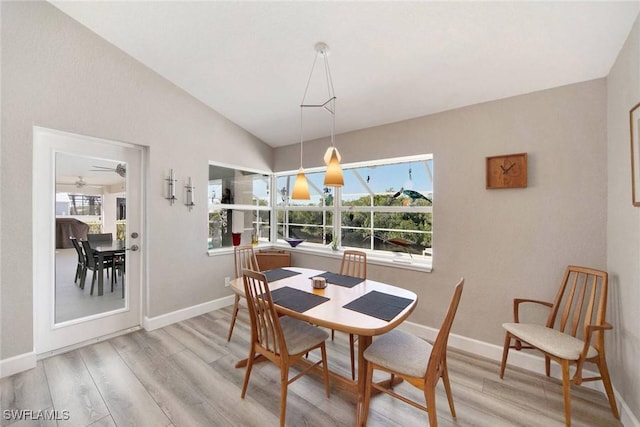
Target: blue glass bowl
(293, 242)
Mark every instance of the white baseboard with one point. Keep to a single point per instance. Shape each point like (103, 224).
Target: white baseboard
(151, 323)
(520, 359)
(19, 363)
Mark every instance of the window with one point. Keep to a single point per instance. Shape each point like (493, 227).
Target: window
(385, 207)
(78, 204)
(239, 206)
(311, 220)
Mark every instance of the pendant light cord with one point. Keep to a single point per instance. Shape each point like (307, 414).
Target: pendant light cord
(301, 138)
(332, 99)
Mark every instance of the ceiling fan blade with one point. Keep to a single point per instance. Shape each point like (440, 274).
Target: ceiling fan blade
(120, 169)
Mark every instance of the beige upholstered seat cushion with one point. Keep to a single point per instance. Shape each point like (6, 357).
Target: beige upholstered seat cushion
(300, 335)
(549, 340)
(400, 352)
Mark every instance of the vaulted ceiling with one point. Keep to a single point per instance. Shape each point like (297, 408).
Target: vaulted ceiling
(390, 61)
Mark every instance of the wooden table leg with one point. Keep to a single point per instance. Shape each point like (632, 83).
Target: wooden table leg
(364, 341)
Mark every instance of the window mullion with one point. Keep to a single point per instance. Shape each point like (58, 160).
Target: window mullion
(337, 215)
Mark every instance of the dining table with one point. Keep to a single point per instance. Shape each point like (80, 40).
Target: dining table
(362, 307)
(106, 250)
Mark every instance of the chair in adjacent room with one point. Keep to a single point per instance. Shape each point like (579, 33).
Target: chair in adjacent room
(281, 340)
(244, 257)
(104, 238)
(81, 263)
(100, 237)
(416, 361)
(354, 263)
(573, 334)
(118, 265)
(91, 263)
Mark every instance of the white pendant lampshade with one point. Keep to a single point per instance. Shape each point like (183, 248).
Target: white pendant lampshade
(301, 187)
(329, 153)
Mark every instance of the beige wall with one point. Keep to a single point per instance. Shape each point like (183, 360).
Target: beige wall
(506, 243)
(623, 225)
(58, 74)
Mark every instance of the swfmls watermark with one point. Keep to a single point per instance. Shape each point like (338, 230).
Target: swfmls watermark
(31, 415)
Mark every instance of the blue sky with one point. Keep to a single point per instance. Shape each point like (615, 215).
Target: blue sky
(413, 175)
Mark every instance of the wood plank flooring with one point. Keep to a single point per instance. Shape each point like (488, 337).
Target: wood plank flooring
(184, 375)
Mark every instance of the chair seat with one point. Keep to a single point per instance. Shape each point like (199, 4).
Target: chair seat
(300, 335)
(400, 352)
(238, 291)
(549, 340)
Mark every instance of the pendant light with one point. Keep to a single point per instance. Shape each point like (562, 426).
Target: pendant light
(333, 176)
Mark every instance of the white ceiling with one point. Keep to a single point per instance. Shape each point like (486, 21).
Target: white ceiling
(93, 171)
(390, 61)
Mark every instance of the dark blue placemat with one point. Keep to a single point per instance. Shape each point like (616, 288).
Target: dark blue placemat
(295, 299)
(380, 305)
(340, 279)
(278, 273)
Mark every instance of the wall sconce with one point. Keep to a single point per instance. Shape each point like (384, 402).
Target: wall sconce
(189, 187)
(171, 187)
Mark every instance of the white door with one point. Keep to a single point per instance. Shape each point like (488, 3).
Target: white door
(83, 185)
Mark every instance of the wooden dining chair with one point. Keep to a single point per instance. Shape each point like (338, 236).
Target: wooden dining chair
(574, 337)
(282, 340)
(416, 361)
(244, 257)
(354, 263)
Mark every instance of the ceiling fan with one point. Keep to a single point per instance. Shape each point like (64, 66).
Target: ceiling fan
(120, 169)
(80, 182)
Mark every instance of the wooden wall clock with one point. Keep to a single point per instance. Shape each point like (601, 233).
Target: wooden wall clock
(507, 171)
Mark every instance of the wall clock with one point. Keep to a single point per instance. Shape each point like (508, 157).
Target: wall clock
(507, 171)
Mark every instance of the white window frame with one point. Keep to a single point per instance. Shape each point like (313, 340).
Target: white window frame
(257, 208)
(374, 256)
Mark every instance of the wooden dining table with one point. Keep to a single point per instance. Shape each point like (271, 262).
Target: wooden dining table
(333, 314)
(105, 250)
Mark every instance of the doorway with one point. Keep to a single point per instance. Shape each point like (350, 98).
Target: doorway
(86, 189)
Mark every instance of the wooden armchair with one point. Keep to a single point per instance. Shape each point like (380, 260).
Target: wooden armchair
(574, 337)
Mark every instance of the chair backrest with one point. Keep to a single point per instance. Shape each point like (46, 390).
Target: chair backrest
(89, 260)
(78, 249)
(100, 237)
(265, 323)
(439, 351)
(244, 257)
(354, 263)
(581, 301)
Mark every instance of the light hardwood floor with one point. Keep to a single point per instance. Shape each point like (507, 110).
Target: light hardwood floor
(184, 375)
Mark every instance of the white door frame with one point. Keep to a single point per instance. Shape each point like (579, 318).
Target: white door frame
(49, 337)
